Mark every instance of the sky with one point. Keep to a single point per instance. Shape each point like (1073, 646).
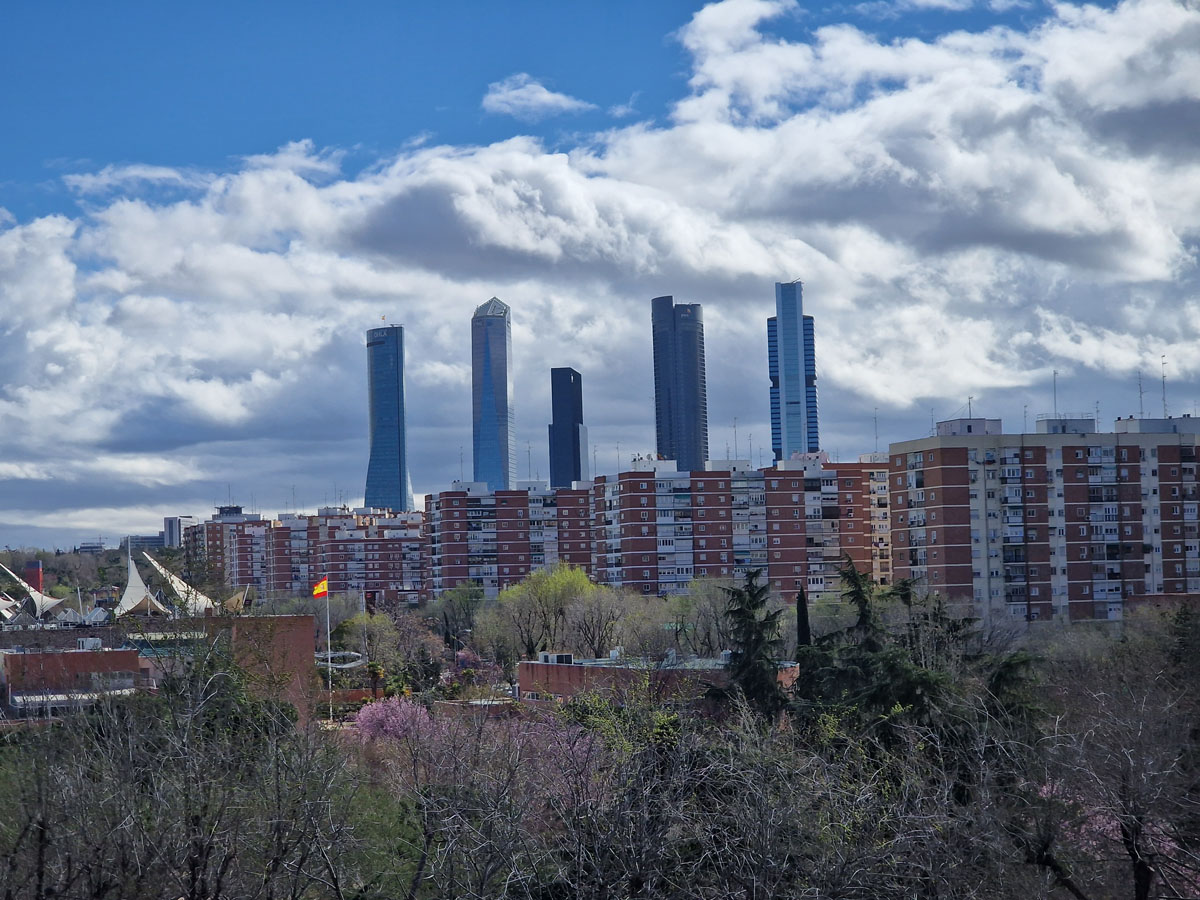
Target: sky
(203, 207)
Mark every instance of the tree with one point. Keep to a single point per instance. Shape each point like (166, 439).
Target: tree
(700, 624)
(592, 622)
(536, 609)
(753, 665)
(455, 612)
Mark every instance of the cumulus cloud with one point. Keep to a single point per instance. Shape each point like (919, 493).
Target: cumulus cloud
(968, 212)
(524, 97)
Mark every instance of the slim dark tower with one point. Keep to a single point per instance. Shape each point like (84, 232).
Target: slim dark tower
(388, 485)
(568, 434)
(680, 392)
(494, 438)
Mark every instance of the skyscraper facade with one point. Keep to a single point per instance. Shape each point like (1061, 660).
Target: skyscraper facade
(568, 434)
(493, 446)
(680, 390)
(792, 367)
(388, 485)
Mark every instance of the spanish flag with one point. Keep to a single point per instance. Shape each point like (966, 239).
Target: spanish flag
(321, 588)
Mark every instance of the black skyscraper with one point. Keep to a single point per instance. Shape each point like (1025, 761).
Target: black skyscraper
(680, 394)
(568, 435)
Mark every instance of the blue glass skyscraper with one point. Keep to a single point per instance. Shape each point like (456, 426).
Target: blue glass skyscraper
(680, 388)
(792, 367)
(388, 485)
(493, 446)
(568, 434)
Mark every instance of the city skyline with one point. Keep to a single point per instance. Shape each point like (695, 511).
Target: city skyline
(972, 208)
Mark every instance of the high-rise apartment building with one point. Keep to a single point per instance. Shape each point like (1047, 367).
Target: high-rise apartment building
(388, 485)
(680, 391)
(493, 443)
(568, 434)
(1064, 523)
(497, 538)
(792, 367)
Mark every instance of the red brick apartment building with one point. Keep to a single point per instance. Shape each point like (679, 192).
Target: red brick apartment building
(375, 552)
(653, 529)
(1063, 523)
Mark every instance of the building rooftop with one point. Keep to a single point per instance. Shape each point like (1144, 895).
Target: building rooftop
(494, 307)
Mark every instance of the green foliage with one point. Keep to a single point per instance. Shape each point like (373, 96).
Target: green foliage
(627, 724)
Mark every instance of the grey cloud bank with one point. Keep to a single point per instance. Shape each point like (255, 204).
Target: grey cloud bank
(968, 214)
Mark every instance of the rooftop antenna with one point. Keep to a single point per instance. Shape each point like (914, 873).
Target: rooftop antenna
(1141, 396)
(461, 473)
(1097, 413)
(932, 424)
(528, 459)
(750, 453)
(1056, 393)
(1164, 382)
(877, 429)
(969, 409)
(618, 457)
(735, 443)
(595, 468)
(1025, 419)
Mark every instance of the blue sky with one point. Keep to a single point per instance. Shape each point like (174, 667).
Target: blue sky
(195, 85)
(203, 207)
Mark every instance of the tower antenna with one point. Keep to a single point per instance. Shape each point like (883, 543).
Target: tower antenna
(1164, 382)
(1141, 397)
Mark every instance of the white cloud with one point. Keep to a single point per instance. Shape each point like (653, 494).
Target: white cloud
(114, 177)
(524, 97)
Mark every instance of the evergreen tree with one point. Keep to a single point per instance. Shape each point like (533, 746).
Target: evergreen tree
(753, 670)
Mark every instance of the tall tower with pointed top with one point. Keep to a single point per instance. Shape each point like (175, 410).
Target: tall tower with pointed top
(494, 439)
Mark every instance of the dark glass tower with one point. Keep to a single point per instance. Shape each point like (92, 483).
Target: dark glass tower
(568, 434)
(680, 392)
(792, 367)
(388, 484)
(493, 446)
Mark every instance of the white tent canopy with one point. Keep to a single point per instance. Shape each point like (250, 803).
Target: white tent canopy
(42, 603)
(194, 602)
(137, 598)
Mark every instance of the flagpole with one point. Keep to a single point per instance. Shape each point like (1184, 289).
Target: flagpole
(329, 654)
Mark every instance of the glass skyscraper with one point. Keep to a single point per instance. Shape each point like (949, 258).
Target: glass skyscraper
(388, 485)
(568, 434)
(494, 440)
(680, 391)
(792, 367)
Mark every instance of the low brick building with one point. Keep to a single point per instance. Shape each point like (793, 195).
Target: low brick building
(558, 677)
